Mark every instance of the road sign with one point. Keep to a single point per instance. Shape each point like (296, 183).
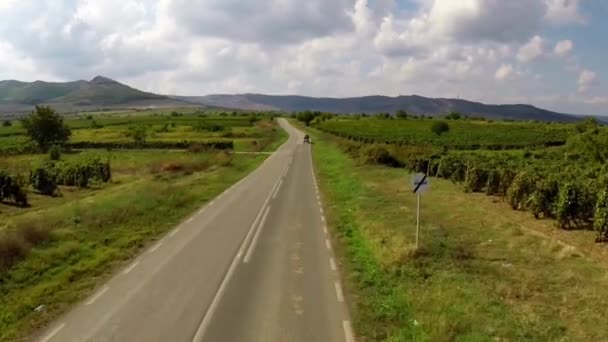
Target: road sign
(420, 183)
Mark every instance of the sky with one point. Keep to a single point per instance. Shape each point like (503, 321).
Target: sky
(549, 53)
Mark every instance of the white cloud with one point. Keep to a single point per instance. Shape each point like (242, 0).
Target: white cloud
(531, 50)
(491, 20)
(586, 79)
(598, 100)
(563, 48)
(505, 72)
(443, 48)
(564, 12)
(263, 21)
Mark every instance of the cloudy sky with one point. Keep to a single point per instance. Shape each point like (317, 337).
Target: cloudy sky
(550, 53)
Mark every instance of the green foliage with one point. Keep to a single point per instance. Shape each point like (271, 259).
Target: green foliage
(591, 145)
(7, 123)
(55, 152)
(401, 114)
(440, 127)
(138, 134)
(589, 123)
(46, 127)
(575, 205)
(43, 180)
(600, 217)
(204, 125)
(306, 117)
(453, 116)
(95, 125)
(11, 188)
(383, 116)
(464, 134)
(46, 178)
(211, 144)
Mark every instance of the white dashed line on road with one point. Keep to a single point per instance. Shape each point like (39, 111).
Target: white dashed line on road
(339, 293)
(332, 264)
(174, 232)
(130, 268)
(153, 249)
(325, 229)
(327, 244)
(348, 331)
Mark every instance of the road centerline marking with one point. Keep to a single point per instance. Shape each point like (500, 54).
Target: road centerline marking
(256, 236)
(97, 295)
(202, 328)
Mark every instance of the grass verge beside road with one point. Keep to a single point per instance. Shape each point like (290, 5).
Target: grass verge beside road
(483, 272)
(89, 236)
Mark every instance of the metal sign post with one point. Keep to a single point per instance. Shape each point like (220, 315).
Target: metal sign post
(420, 183)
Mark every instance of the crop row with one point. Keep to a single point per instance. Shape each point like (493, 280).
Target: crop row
(575, 194)
(462, 134)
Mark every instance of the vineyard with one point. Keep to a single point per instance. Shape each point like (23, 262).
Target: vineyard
(568, 183)
(463, 134)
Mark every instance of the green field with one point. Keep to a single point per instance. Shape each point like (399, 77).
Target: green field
(54, 251)
(463, 134)
(484, 272)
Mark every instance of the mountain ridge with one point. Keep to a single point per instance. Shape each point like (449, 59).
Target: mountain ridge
(17, 97)
(413, 104)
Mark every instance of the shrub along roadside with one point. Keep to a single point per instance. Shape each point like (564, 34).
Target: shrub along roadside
(218, 145)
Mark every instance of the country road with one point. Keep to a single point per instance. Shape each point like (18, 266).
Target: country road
(254, 264)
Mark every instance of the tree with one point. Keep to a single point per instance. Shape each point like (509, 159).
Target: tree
(453, 116)
(45, 127)
(306, 117)
(383, 116)
(7, 123)
(401, 114)
(440, 127)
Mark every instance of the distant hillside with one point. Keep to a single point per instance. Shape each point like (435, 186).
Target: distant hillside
(374, 104)
(100, 92)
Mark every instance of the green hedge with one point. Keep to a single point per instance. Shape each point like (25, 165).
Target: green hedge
(219, 145)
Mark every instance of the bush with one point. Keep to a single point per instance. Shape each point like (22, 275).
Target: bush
(376, 154)
(217, 144)
(440, 127)
(55, 152)
(7, 123)
(600, 217)
(12, 250)
(11, 188)
(43, 180)
(575, 205)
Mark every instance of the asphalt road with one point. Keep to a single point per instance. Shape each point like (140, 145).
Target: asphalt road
(255, 264)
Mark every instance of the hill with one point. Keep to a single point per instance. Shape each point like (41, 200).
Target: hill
(373, 104)
(100, 92)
